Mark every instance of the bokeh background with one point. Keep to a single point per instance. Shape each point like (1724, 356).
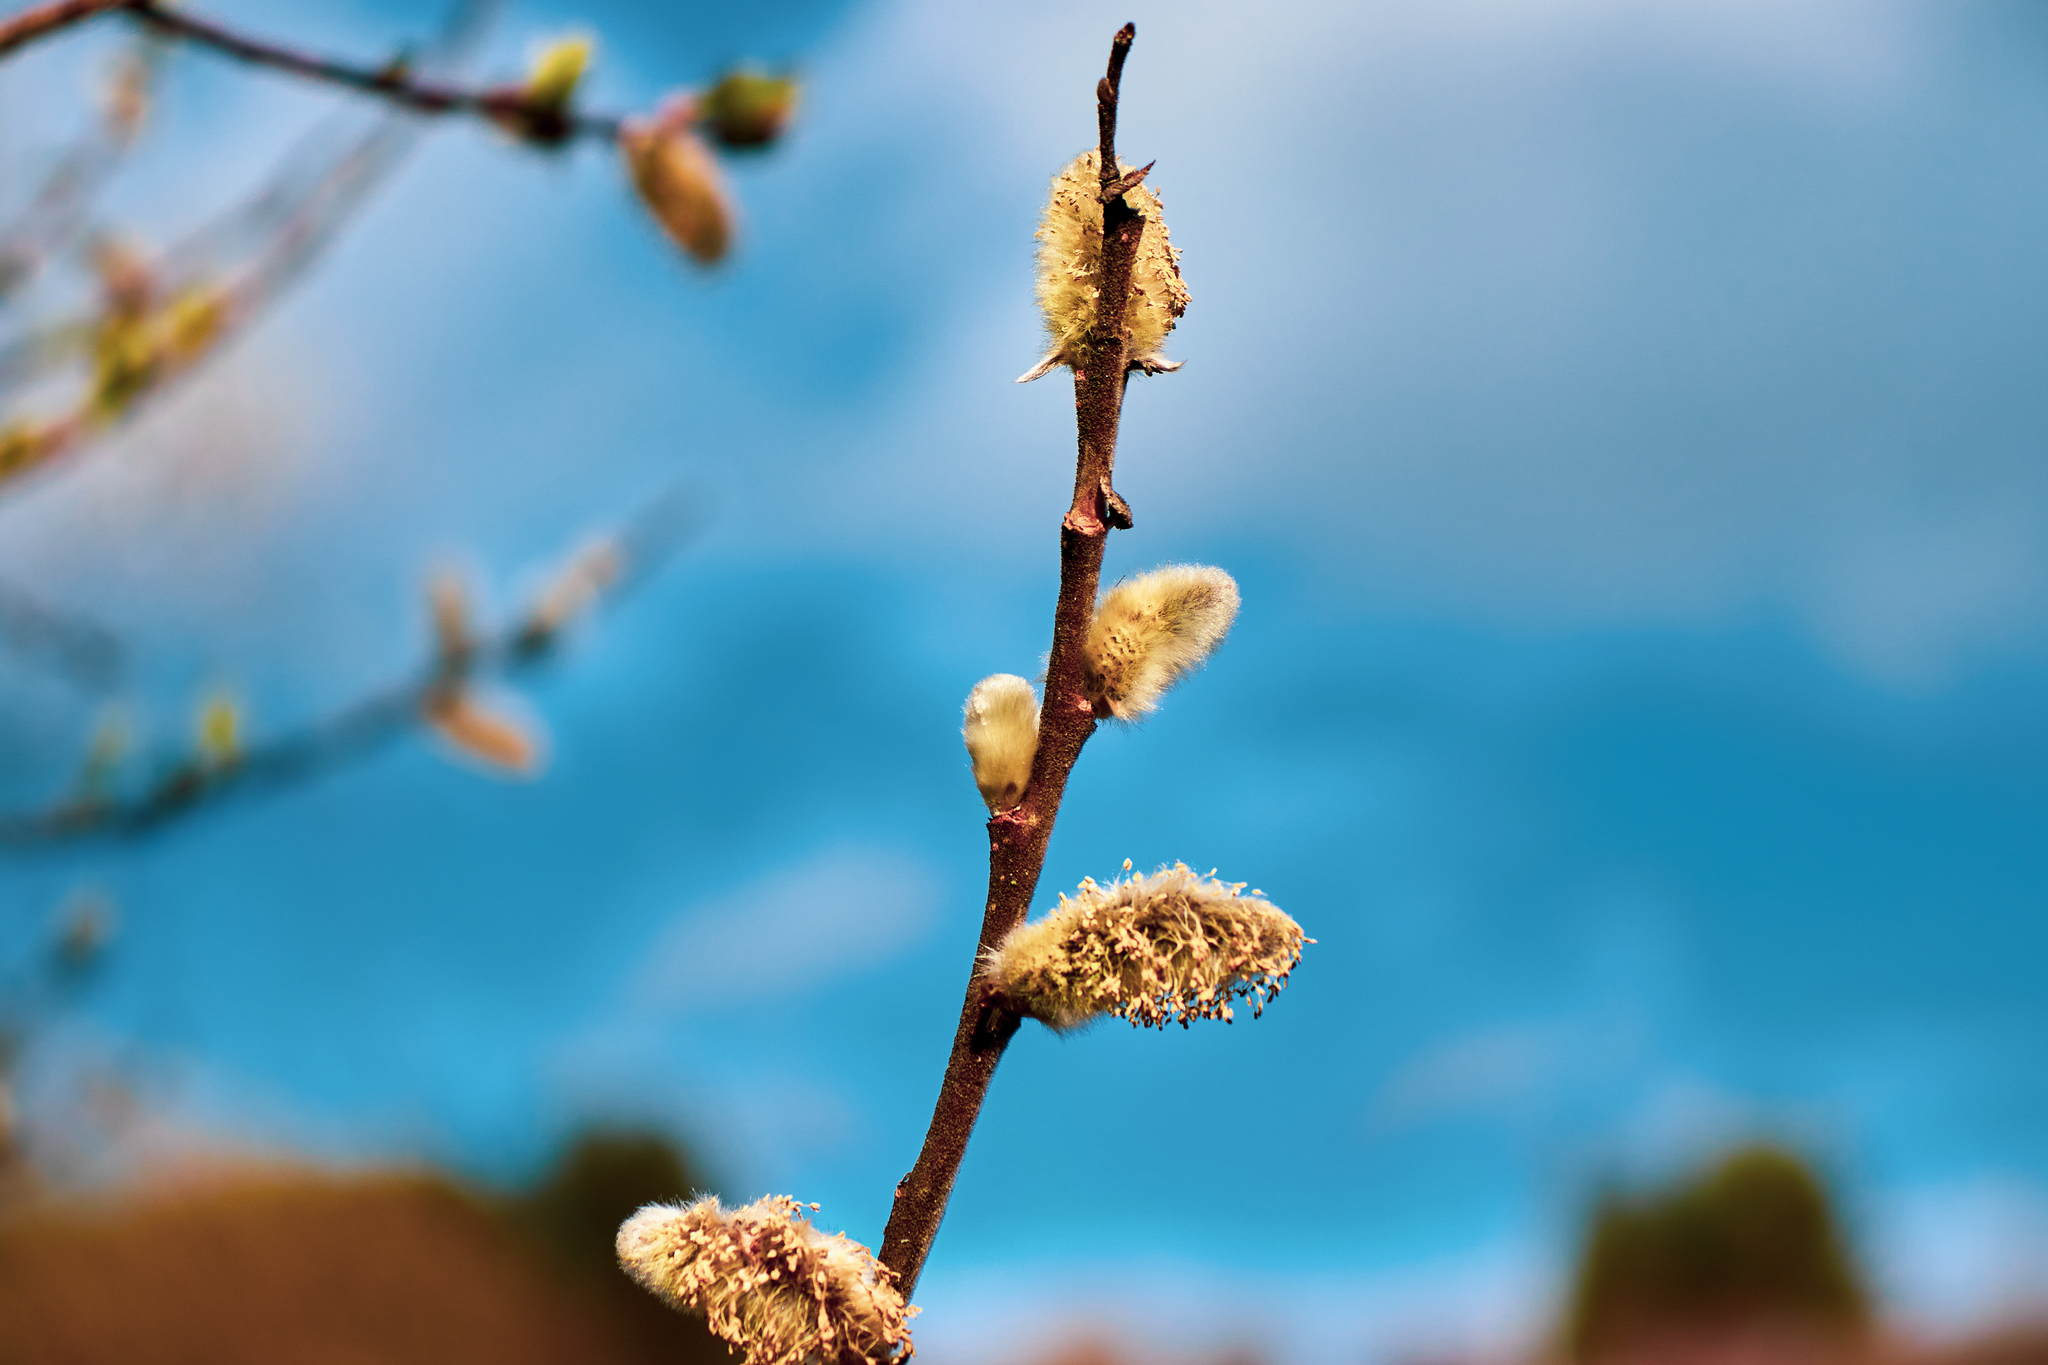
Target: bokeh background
(1625, 419)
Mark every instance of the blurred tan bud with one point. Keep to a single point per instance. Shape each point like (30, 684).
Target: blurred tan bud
(1171, 947)
(497, 742)
(448, 605)
(1151, 631)
(127, 278)
(220, 731)
(748, 108)
(768, 1283)
(572, 590)
(558, 68)
(1070, 269)
(1001, 731)
(126, 96)
(679, 182)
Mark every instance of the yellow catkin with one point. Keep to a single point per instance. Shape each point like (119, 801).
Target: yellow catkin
(1151, 631)
(769, 1284)
(1001, 731)
(678, 180)
(1169, 947)
(1070, 267)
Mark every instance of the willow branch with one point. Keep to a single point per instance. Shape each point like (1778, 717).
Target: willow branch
(1018, 838)
(507, 106)
(356, 730)
(45, 20)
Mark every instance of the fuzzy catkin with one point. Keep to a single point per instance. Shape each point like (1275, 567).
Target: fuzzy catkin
(1169, 947)
(1070, 266)
(1001, 731)
(1151, 631)
(768, 1283)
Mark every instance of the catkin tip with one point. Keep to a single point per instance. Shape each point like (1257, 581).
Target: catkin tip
(768, 1283)
(1001, 731)
(1151, 631)
(1168, 947)
(1070, 268)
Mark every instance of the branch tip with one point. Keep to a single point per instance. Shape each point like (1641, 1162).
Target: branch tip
(1116, 189)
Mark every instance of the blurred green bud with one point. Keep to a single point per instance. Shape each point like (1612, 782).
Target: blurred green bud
(748, 108)
(558, 69)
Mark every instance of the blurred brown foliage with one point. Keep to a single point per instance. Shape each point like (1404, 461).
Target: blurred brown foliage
(281, 1267)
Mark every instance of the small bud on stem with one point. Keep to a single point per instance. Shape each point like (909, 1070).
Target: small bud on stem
(1001, 731)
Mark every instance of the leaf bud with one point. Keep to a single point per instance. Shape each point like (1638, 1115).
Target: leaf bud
(557, 69)
(748, 108)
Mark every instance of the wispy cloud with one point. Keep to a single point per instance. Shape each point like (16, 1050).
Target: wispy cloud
(839, 911)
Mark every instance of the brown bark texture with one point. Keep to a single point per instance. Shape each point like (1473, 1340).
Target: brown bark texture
(1018, 838)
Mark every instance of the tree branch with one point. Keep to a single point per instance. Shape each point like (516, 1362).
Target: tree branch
(634, 552)
(1018, 838)
(507, 106)
(44, 20)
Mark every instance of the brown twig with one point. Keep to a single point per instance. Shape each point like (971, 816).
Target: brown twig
(43, 20)
(640, 548)
(508, 106)
(1017, 838)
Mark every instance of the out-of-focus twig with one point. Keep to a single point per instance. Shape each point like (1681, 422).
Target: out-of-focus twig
(158, 319)
(57, 213)
(224, 766)
(534, 115)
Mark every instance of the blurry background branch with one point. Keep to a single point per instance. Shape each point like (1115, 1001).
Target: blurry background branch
(538, 109)
(157, 318)
(62, 205)
(442, 695)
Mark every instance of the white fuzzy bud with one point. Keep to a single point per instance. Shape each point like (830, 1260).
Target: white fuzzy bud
(1171, 947)
(1151, 631)
(768, 1283)
(1001, 731)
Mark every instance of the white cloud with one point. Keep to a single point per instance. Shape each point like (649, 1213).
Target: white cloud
(837, 912)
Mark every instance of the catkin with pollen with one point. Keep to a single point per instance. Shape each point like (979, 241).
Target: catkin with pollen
(1001, 731)
(768, 1283)
(1151, 631)
(1171, 947)
(1070, 269)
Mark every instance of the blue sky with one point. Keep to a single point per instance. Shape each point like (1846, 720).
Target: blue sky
(1623, 420)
